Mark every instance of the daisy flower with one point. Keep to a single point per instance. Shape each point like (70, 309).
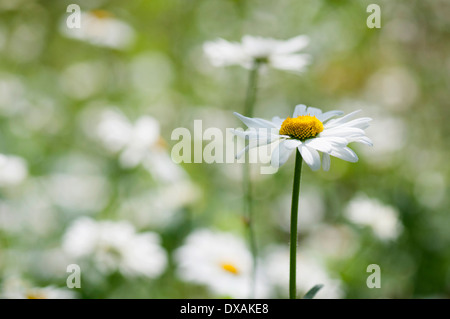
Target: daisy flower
(115, 246)
(275, 53)
(310, 131)
(381, 218)
(16, 288)
(220, 261)
(100, 28)
(13, 170)
(138, 143)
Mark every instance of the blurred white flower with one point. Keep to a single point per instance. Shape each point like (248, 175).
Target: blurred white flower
(14, 288)
(278, 54)
(221, 261)
(161, 166)
(13, 170)
(115, 246)
(100, 28)
(381, 218)
(138, 143)
(310, 272)
(117, 133)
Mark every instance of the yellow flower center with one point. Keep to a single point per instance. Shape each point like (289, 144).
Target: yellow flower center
(301, 127)
(34, 295)
(101, 14)
(230, 268)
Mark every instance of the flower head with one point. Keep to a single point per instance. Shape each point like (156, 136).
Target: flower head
(220, 261)
(138, 143)
(310, 131)
(382, 218)
(16, 288)
(100, 28)
(116, 246)
(275, 53)
(13, 170)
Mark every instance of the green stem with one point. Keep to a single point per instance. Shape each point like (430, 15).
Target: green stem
(294, 222)
(251, 89)
(247, 185)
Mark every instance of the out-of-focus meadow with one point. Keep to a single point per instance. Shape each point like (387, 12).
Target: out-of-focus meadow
(86, 175)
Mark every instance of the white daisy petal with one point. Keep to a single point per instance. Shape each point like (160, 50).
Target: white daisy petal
(361, 139)
(299, 110)
(361, 123)
(311, 156)
(327, 115)
(313, 111)
(256, 141)
(224, 53)
(341, 120)
(326, 161)
(250, 134)
(277, 121)
(335, 141)
(262, 135)
(255, 122)
(292, 143)
(341, 132)
(279, 54)
(319, 144)
(242, 152)
(281, 154)
(258, 47)
(346, 154)
(290, 62)
(292, 45)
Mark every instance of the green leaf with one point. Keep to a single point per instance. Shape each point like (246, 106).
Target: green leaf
(313, 291)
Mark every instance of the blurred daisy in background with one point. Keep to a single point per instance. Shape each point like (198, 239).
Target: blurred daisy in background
(221, 261)
(381, 218)
(275, 53)
(115, 246)
(311, 132)
(100, 28)
(15, 288)
(310, 272)
(13, 170)
(138, 143)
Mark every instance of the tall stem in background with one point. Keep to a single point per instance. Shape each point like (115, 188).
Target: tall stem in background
(247, 185)
(294, 222)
